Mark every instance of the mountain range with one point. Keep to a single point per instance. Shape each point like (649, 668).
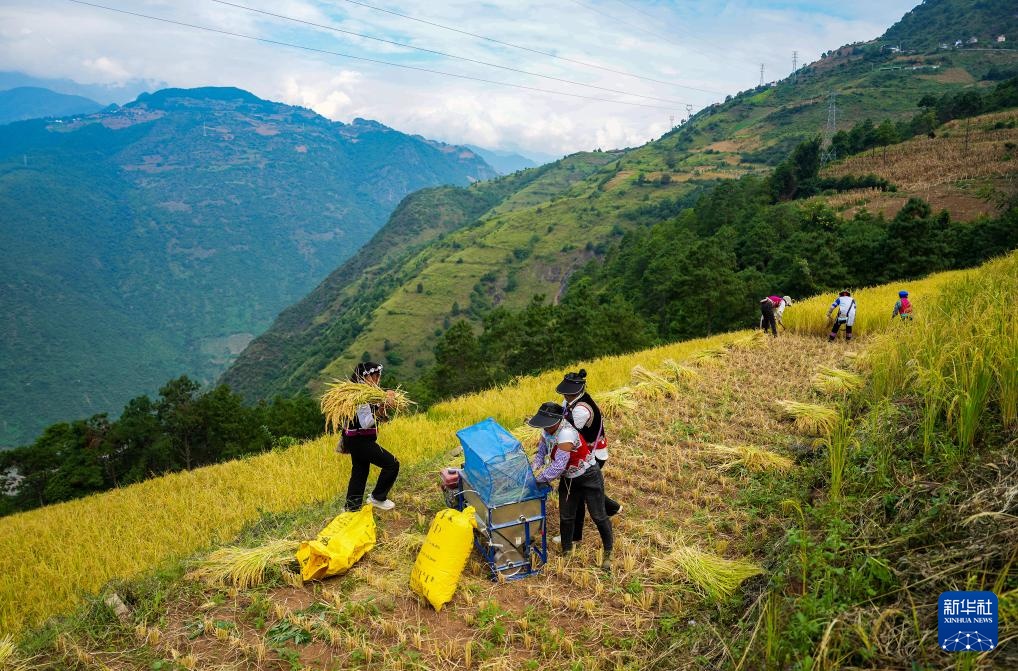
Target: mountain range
(459, 253)
(154, 239)
(32, 102)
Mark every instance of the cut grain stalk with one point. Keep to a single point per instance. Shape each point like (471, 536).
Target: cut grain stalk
(810, 418)
(681, 373)
(716, 576)
(342, 398)
(750, 341)
(617, 402)
(244, 567)
(10, 660)
(527, 434)
(837, 381)
(653, 384)
(709, 356)
(752, 457)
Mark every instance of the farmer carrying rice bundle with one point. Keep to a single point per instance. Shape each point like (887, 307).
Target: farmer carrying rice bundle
(360, 441)
(563, 453)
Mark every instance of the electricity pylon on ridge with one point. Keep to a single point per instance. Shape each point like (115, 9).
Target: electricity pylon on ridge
(827, 153)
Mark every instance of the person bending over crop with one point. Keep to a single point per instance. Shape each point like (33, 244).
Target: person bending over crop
(844, 304)
(903, 307)
(580, 410)
(360, 441)
(563, 453)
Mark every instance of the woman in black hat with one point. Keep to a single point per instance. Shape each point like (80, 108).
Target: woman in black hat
(571, 459)
(580, 410)
(360, 442)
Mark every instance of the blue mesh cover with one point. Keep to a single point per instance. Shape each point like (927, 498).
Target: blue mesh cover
(495, 465)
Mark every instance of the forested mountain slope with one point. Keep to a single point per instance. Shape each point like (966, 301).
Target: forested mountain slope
(535, 241)
(156, 239)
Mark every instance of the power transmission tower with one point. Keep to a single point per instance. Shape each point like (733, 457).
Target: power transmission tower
(689, 112)
(671, 121)
(827, 153)
(795, 64)
(761, 74)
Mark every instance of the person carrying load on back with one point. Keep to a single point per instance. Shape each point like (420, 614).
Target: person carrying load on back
(360, 441)
(563, 453)
(580, 410)
(903, 307)
(845, 306)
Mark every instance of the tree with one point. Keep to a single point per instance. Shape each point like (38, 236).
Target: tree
(175, 410)
(459, 364)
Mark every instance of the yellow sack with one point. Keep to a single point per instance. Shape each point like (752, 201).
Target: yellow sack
(443, 556)
(338, 546)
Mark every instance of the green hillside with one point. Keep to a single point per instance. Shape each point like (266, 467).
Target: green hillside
(156, 239)
(574, 211)
(937, 22)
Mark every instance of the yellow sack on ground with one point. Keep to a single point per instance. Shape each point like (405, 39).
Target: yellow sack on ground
(338, 546)
(443, 556)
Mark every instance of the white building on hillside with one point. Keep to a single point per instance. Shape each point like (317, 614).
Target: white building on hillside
(1001, 38)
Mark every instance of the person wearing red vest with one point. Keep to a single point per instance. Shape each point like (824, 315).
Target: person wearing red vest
(583, 413)
(903, 308)
(360, 441)
(563, 453)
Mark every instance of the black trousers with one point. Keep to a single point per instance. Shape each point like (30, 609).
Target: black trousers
(837, 325)
(363, 453)
(611, 506)
(767, 320)
(588, 488)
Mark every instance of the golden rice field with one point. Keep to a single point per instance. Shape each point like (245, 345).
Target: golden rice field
(50, 556)
(873, 305)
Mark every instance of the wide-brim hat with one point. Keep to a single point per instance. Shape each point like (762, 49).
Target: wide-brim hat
(548, 415)
(572, 383)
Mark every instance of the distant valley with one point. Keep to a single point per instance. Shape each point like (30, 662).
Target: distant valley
(157, 238)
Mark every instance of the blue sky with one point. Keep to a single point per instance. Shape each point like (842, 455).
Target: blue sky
(696, 51)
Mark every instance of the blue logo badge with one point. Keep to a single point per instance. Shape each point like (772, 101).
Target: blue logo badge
(967, 621)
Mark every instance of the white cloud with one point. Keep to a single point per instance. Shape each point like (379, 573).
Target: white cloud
(716, 46)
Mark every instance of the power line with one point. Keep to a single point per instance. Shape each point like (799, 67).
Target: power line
(656, 19)
(527, 49)
(364, 58)
(444, 54)
(661, 36)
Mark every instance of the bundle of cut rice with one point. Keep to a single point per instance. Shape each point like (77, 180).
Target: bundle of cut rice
(654, 385)
(679, 372)
(751, 340)
(340, 401)
(244, 567)
(617, 402)
(837, 381)
(752, 457)
(10, 660)
(709, 356)
(526, 434)
(810, 418)
(716, 576)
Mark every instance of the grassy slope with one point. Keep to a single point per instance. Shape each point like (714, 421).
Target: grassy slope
(630, 615)
(576, 201)
(966, 173)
